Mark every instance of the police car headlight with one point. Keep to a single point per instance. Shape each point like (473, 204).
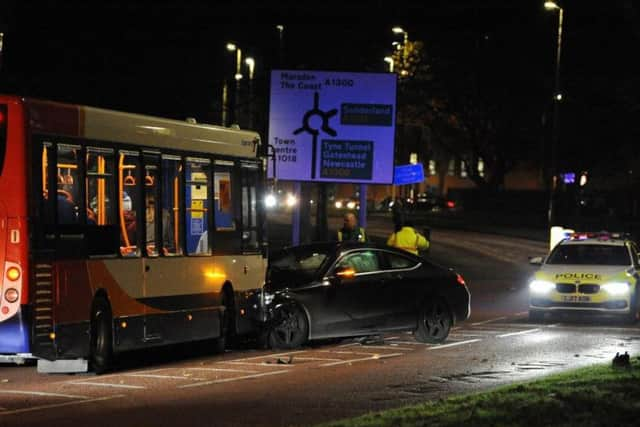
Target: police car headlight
(616, 288)
(541, 286)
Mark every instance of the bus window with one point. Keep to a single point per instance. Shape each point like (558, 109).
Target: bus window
(171, 227)
(129, 185)
(250, 173)
(68, 185)
(223, 201)
(46, 202)
(196, 193)
(100, 168)
(151, 203)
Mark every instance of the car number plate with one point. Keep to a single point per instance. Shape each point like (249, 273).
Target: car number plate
(575, 298)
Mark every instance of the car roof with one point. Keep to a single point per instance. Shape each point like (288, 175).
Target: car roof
(595, 241)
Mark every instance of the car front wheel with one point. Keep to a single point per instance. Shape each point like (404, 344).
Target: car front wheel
(289, 328)
(434, 322)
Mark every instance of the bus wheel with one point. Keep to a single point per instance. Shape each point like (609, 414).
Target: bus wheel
(101, 337)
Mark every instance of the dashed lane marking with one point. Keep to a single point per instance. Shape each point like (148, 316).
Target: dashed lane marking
(227, 380)
(488, 321)
(244, 371)
(167, 377)
(58, 405)
(137, 387)
(363, 359)
(42, 393)
(438, 347)
(511, 334)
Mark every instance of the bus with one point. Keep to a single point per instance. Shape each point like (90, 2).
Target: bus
(122, 231)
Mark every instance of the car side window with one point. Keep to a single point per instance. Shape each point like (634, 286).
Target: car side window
(361, 262)
(397, 262)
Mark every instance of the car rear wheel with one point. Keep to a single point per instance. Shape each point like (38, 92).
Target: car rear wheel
(289, 328)
(434, 322)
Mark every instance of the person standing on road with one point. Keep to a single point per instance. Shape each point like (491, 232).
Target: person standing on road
(350, 231)
(397, 212)
(408, 239)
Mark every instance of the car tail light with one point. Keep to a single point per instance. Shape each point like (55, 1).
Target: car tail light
(11, 295)
(460, 279)
(13, 273)
(451, 204)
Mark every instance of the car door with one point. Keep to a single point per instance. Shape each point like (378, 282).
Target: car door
(360, 296)
(401, 289)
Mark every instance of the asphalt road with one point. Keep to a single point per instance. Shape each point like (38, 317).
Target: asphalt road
(246, 386)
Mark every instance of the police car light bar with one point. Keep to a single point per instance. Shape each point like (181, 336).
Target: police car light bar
(600, 235)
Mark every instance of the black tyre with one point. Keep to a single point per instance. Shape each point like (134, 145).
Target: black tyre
(536, 316)
(101, 357)
(434, 322)
(289, 329)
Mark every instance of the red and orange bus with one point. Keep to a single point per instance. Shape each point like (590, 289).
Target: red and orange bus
(120, 231)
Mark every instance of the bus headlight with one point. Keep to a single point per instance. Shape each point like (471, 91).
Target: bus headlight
(541, 286)
(616, 288)
(11, 295)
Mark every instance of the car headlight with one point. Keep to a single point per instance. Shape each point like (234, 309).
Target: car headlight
(351, 204)
(338, 205)
(541, 286)
(616, 288)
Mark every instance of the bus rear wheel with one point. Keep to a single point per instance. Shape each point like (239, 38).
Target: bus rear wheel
(101, 358)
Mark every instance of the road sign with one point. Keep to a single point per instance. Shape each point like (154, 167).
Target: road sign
(332, 126)
(408, 174)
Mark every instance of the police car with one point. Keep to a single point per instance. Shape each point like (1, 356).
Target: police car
(587, 273)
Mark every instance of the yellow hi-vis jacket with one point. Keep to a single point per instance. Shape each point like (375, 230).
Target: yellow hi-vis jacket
(409, 240)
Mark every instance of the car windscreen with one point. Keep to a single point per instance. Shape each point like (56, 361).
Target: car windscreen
(590, 254)
(293, 266)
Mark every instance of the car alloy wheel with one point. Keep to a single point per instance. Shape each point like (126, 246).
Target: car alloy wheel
(434, 322)
(290, 328)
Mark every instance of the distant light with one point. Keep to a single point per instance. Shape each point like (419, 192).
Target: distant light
(351, 204)
(396, 44)
(250, 62)
(583, 179)
(551, 5)
(270, 200)
(238, 76)
(558, 97)
(569, 178)
(280, 27)
(388, 60)
(404, 73)
(231, 47)
(291, 200)
(338, 204)
(397, 30)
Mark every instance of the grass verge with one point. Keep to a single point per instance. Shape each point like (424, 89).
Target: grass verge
(593, 396)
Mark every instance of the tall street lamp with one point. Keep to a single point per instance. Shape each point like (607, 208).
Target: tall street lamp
(280, 29)
(231, 47)
(251, 63)
(389, 60)
(405, 47)
(557, 98)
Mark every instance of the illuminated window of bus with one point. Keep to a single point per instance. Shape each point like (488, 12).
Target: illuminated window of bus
(250, 173)
(151, 167)
(196, 193)
(45, 165)
(100, 186)
(129, 185)
(171, 224)
(223, 199)
(68, 184)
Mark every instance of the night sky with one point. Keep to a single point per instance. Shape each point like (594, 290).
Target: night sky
(168, 58)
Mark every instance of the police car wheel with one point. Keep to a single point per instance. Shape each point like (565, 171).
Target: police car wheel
(536, 316)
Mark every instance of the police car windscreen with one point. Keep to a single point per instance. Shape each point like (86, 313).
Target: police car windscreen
(590, 254)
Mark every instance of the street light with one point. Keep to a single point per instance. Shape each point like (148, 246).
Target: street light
(280, 29)
(405, 48)
(237, 76)
(550, 5)
(251, 63)
(389, 60)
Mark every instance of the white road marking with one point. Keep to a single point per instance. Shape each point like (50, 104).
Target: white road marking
(227, 380)
(522, 313)
(42, 393)
(109, 385)
(168, 377)
(58, 405)
(349, 345)
(244, 371)
(264, 356)
(278, 365)
(488, 321)
(407, 342)
(437, 347)
(528, 331)
(314, 358)
(386, 347)
(345, 352)
(372, 357)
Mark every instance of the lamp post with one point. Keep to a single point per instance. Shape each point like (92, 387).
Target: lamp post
(557, 98)
(280, 29)
(251, 63)
(231, 47)
(405, 47)
(389, 60)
